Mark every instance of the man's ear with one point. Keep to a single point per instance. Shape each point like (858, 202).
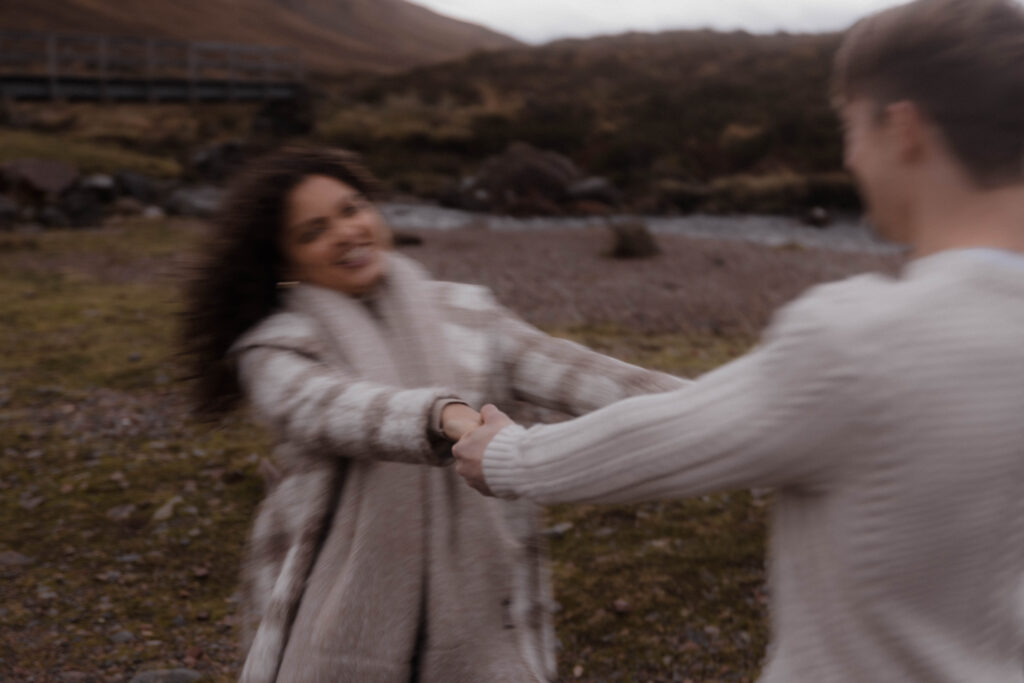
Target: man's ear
(909, 130)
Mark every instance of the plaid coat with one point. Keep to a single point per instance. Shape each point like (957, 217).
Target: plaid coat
(390, 562)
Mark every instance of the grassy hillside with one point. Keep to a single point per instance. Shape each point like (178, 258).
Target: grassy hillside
(333, 36)
(662, 115)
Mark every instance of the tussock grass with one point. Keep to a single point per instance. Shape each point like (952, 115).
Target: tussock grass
(89, 157)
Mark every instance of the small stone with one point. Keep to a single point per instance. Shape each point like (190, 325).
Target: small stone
(167, 676)
(130, 558)
(120, 513)
(45, 593)
(122, 637)
(153, 213)
(200, 572)
(9, 558)
(166, 510)
(559, 529)
(134, 357)
(577, 671)
(621, 606)
(30, 502)
(75, 677)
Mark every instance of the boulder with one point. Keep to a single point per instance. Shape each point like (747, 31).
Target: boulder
(52, 217)
(137, 186)
(83, 206)
(201, 201)
(594, 189)
(632, 239)
(103, 186)
(215, 162)
(9, 212)
(817, 217)
(521, 180)
(38, 178)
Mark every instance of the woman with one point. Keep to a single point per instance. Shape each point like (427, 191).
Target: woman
(361, 566)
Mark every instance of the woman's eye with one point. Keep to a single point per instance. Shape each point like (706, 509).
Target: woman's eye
(349, 210)
(312, 231)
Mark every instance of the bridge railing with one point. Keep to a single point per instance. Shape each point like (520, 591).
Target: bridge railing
(59, 56)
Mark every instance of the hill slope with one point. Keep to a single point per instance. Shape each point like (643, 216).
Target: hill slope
(333, 36)
(688, 107)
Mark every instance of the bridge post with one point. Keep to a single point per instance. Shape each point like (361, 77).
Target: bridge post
(193, 59)
(231, 73)
(150, 69)
(102, 48)
(52, 65)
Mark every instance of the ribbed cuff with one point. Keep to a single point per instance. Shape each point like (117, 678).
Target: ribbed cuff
(501, 462)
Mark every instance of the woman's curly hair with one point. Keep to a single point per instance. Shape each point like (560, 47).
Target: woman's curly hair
(236, 283)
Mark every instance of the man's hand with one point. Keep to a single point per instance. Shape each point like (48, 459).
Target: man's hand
(469, 451)
(458, 419)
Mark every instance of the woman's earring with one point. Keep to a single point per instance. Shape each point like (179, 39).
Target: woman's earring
(288, 284)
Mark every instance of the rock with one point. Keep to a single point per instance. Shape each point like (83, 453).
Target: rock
(199, 201)
(29, 502)
(166, 510)
(83, 206)
(153, 213)
(632, 240)
(621, 606)
(101, 185)
(120, 513)
(167, 676)
(128, 206)
(216, 161)
(122, 637)
(594, 189)
(9, 558)
(9, 211)
(39, 177)
(52, 217)
(137, 186)
(558, 529)
(522, 180)
(817, 217)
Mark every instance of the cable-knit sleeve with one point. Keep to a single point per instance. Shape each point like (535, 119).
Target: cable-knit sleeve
(326, 411)
(765, 419)
(568, 377)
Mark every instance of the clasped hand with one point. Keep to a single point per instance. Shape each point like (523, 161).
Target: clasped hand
(472, 432)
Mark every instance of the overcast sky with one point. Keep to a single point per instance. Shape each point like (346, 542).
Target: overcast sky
(537, 21)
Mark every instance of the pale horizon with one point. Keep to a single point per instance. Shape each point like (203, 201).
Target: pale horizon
(540, 21)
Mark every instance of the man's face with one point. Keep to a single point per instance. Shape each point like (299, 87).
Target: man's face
(871, 153)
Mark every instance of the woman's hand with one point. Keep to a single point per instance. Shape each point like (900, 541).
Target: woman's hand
(458, 419)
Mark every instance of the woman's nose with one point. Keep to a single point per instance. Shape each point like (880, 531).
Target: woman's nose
(347, 229)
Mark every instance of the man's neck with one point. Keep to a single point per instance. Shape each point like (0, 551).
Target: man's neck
(963, 218)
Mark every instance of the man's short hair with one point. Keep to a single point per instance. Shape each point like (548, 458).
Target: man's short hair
(961, 62)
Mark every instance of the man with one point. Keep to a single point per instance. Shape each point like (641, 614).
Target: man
(888, 413)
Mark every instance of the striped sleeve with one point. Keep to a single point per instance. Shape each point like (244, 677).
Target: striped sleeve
(323, 410)
(568, 377)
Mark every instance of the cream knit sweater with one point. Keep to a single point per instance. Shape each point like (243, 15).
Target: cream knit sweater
(889, 416)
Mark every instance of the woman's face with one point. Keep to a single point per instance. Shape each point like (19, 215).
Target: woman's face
(333, 236)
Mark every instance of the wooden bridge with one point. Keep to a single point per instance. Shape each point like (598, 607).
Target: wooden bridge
(64, 66)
